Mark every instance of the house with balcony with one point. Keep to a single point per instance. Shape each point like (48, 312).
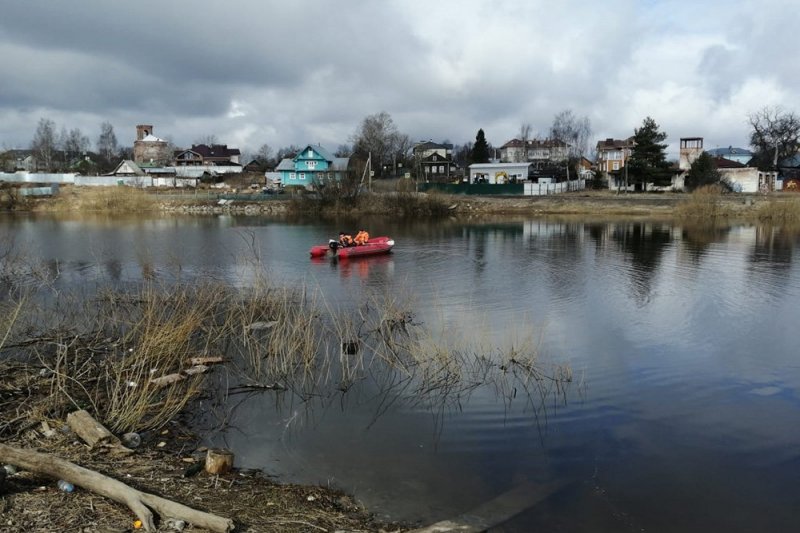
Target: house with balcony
(613, 153)
(205, 155)
(312, 166)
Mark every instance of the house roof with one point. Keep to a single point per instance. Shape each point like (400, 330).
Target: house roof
(324, 153)
(129, 165)
(729, 151)
(727, 163)
(615, 144)
(285, 164)
(535, 143)
(19, 154)
(430, 145)
(437, 157)
(150, 138)
(341, 163)
(215, 150)
(791, 162)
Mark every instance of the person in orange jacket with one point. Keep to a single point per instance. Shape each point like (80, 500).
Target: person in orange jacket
(345, 239)
(362, 237)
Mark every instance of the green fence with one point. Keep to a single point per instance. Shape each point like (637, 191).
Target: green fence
(482, 189)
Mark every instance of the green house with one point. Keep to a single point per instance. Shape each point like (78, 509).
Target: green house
(312, 166)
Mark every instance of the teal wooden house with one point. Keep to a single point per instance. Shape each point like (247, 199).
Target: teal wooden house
(312, 166)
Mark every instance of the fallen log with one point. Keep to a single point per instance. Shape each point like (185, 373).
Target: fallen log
(137, 501)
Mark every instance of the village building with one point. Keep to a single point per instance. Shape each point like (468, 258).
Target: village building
(435, 161)
(311, 167)
(541, 153)
(740, 155)
(147, 148)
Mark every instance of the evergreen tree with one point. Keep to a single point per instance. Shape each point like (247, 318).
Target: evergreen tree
(703, 172)
(480, 150)
(648, 161)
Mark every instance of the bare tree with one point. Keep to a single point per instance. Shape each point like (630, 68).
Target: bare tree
(379, 138)
(107, 143)
(524, 136)
(73, 143)
(343, 150)
(775, 135)
(43, 145)
(573, 130)
(287, 152)
(264, 154)
(208, 140)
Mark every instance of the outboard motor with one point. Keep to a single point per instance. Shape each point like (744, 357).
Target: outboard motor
(333, 244)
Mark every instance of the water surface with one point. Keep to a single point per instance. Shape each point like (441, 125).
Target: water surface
(684, 414)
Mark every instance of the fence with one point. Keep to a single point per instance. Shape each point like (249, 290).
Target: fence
(488, 189)
(483, 189)
(544, 189)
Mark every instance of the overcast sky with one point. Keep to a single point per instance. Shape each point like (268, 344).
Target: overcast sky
(308, 71)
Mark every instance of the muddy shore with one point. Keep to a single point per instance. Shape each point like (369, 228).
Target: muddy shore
(168, 463)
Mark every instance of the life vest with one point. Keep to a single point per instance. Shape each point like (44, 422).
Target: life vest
(362, 237)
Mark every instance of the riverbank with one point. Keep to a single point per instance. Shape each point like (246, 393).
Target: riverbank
(587, 203)
(168, 464)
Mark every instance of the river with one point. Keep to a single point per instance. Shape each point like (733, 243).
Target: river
(684, 409)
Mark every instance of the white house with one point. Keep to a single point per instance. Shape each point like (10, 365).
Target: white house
(498, 173)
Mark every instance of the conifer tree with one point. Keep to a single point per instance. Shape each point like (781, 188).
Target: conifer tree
(480, 151)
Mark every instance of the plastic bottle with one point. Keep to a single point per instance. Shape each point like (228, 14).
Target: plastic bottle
(65, 486)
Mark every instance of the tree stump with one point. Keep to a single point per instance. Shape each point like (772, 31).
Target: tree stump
(219, 461)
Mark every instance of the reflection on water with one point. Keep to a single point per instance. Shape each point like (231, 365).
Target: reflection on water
(682, 415)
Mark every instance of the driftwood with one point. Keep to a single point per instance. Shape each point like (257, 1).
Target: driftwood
(139, 502)
(207, 360)
(218, 461)
(93, 432)
(169, 379)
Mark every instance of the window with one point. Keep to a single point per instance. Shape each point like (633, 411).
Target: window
(302, 176)
(311, 164)
(291, 175)
(615, 165)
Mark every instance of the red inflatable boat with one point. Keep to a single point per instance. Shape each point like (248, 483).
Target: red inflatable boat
(376, 245)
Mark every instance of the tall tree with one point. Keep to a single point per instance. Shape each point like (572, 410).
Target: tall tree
(378, 137)
(462, 154)
(43, 145)
(648, 160)
(480, 150)
(343, 150)
(264, 154)
(107, 143)
(524, 136)
(702, 172)
(208, 140)
(287, 152)
(775, 136)
(74, 143)
(573, 130)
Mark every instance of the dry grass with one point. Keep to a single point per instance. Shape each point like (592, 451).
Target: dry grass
(705, 203)
(785, 210)
(102, 200)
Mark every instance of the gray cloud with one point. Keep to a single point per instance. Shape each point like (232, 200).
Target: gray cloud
(253, 72)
